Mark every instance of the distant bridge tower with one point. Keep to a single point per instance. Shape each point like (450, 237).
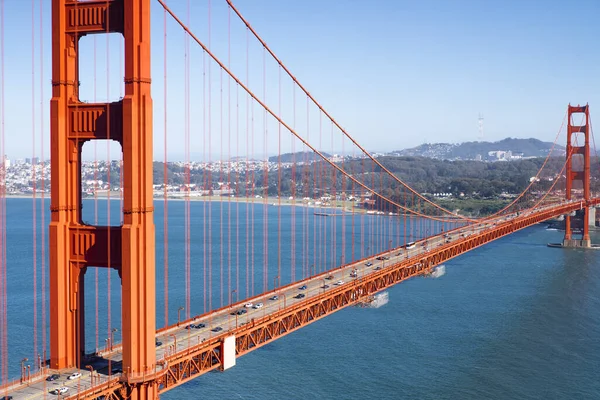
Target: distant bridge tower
(578, 170)
(480, 125)
(75, 246)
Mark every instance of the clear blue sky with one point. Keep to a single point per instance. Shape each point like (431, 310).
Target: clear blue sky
(394, 73)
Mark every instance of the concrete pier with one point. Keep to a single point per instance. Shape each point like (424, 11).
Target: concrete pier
(577, 221)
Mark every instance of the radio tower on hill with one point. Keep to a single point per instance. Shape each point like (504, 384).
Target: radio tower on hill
(480, 123)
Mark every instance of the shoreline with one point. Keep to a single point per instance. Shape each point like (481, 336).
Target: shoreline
(334, 209)
(330, 210)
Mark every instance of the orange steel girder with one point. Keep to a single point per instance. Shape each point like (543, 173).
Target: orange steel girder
(75, 246)
(573, 175)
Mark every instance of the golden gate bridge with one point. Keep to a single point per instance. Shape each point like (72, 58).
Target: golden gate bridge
(249, 296)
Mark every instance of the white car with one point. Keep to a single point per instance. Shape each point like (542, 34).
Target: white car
(258, 305)
(339, 283)
(74, 375)
(248, 305)
(60, 390)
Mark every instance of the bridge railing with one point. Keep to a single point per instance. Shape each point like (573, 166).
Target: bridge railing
(24, 380)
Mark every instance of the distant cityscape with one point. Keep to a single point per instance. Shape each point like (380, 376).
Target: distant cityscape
(29, 175)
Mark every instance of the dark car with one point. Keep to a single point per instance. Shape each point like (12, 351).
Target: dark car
(380, 258)
(330, 277)
(241, 311)
(6, 398)
(190, 326)
(325, 287)
(274, 297)
(200, 326)
(303, 287)
(217, 329)
(53, 377)
(369, 264)
(157, 343)
(300, 296)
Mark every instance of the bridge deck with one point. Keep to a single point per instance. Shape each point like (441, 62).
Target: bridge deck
(185, 353)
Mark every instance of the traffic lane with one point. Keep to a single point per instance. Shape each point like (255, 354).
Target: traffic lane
(42, 389)
(223, 318)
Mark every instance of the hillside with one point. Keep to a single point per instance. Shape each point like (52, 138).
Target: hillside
(301, 156)
(508, 148)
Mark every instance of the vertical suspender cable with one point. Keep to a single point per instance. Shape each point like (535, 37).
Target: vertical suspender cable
(362, 214)
(326, 186)
(187, 169)
(279, 182)
(165, 177)
(108, 178)
(221, 216)
(237, 192)
(304, 183)
(315, 164)
(306, 255)
(3, 283)
(343, 199)
(352, 214)
(228, 180)
(253, 181)
(332, 195)
(34, 183)
(204, 182)
(221, 210)
(96, 303)
(372, 221)
(293, 145)
(265, 272)
(210, 233)
(320, 225)
(247, 184)
(42, 181)
(410, 219)
(405, 223)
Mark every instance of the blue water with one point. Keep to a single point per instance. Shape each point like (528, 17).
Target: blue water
(511, 320)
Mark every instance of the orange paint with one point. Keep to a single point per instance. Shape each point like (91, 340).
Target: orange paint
(572, 174)
(73, 245)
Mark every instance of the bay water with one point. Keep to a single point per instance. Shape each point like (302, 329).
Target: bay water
(511, 320)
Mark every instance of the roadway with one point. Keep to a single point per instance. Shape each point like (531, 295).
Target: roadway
(221, 322)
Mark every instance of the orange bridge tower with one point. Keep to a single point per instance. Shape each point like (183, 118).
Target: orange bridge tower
(75, 246)
(578, 170)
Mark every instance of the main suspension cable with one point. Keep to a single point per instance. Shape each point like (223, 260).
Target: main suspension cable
(291, 130)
